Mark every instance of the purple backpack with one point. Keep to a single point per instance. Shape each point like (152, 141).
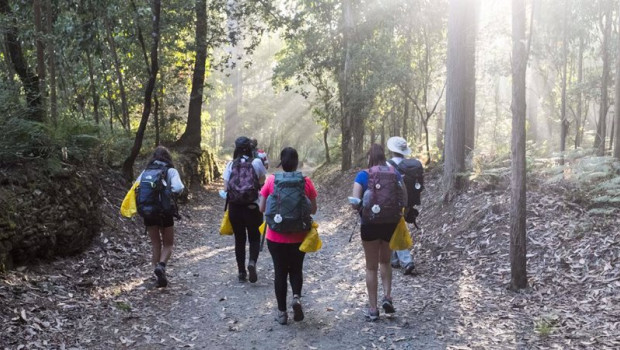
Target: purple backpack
(383, 201)
(243, 184)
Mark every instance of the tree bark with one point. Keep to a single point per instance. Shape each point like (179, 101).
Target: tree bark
(344, 82)
(119, 75)
(29, 80)
(191, 138)
(578, 118)
(459, 94)
(563, 119)
(617, 99)
(38, 24)
(601, 128)
(518, 261)
(148, 93)
(93, 87)
(51, 60)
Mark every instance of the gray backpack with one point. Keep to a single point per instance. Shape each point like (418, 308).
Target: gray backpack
(383, 201)
(288, 207)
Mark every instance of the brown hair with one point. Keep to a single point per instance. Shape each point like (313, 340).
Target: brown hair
(162, 154)
(376, 155)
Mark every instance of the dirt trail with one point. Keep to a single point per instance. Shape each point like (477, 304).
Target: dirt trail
(104, 298)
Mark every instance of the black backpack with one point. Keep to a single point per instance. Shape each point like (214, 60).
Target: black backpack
(288, 207)
(154, 197)
(413, 176)
(243, 183)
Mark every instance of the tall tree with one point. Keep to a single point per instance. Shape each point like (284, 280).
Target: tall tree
(51, 59)
(29, 80)
(148, 93)
(460, 91)
(601, 127)
(563, 118)
(344, 82)
(518, 174)
(119, 73)
(617, 97)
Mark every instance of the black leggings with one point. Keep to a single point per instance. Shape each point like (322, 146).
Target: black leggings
(242, 218)
(287, 260)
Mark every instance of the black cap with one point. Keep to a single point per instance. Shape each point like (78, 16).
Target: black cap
(242, 142)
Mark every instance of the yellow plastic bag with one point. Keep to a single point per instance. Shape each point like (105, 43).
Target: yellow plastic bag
(312, 242)
(225, 226)
(262, 228)
(128, 207)
(401, 239)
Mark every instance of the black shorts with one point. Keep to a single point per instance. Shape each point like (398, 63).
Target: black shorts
(163, 221)
(373, 232)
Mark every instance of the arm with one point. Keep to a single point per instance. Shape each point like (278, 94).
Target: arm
(357, 193)
(175, 181)
(313, 206)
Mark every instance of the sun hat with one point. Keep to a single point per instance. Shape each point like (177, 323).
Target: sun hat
(398, 145)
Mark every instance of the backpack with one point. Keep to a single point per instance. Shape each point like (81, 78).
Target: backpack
(413, 177)
(383, 201)
(153, 194)
(288, 207)
(243, 184)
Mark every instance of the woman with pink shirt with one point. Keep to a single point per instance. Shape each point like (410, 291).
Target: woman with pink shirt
(287, 212)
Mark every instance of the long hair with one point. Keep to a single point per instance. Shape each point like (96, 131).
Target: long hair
(376, 155)
(162, 154)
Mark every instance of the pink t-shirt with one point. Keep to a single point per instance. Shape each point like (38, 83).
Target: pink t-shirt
(286, 237)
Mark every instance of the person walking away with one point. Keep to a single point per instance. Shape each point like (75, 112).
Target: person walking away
(155, 202)
(288, 199)
(399, 149)
(259, 153)
(242, 178)
(382, 196)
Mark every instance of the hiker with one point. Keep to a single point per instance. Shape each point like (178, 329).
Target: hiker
(381, 198)
(414, 185)
(242, 178)
(259, 153)
(157, 184)
(287, 199)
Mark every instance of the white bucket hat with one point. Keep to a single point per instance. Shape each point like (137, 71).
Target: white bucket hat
(398, 144)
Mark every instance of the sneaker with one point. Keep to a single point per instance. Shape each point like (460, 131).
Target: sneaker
(395, 265)
(252, 271)
(298, 312)
(387, 305)
(282, 317)
(242, 276)
(160, 272)
(409, 269)
(371, 315)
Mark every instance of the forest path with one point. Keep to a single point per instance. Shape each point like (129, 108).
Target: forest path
(205, 307)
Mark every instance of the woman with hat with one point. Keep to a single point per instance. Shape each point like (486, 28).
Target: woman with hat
(399, 148)
(242, 202)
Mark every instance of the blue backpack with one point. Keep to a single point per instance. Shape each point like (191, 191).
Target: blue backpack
(154, 195)
(288, 207)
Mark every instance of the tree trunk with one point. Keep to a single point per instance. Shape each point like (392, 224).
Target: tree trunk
(148, 93)
(51, 61)
(19, 63)
(191, 138)
(564, 120)
(405, 118)
(617, 99)
(326, 144)
(578, 117)
(93, 87)
(469, 72)
(344, 82)
(601, 128)
(38, 24)
(459, 95)
(518, 261)
(156, 117)
(119, 75)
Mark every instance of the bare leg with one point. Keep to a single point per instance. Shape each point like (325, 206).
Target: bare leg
(168, 242)
(155, 243)
(386, 269)
(371, 252)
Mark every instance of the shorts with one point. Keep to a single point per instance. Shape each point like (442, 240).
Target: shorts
(162, 221)
(373, 232)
